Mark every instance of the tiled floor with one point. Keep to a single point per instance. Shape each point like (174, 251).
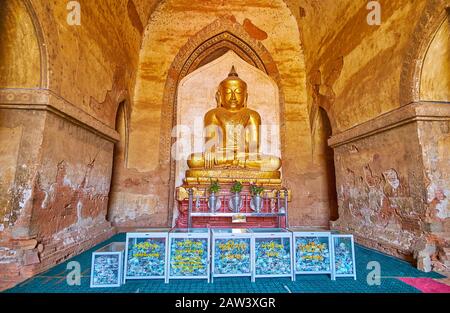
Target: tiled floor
(54, 280)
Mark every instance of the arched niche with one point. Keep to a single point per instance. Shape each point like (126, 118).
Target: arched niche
(196, 96)
(323, 159)
(21, 51)
(207, 45)
(120, 156)
(171, 51)
(222, 35)
(433, 16)
(435, 75)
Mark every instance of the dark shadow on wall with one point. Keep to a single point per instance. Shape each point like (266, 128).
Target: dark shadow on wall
(329, 164)
(119, 158)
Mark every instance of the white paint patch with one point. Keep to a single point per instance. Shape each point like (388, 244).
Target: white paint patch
(367, 213)
(175, 214)
(434, 192)
(68, 182)
(26, 194)
(391, 177)
(45, 202)
(443, 208)
(2, 227)
(430, 192)
(7, 255)
(68, 241)
(79, 207)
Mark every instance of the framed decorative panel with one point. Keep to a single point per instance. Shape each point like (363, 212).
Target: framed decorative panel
(313, 253)
(189, 251)
(344, 256)
(272, 253)
(106, 266)
(146, 255)
(231, 252)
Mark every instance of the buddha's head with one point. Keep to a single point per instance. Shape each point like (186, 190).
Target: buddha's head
(232, 92)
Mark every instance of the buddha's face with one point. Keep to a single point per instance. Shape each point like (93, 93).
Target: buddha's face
(233, 94)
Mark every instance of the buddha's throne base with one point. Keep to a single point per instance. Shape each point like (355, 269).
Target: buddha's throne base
(194, 211)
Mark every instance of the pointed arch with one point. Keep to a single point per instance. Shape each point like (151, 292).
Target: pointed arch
(41, 44)
(23, 53)
(222, 35)
(122, 115)
(433, 16)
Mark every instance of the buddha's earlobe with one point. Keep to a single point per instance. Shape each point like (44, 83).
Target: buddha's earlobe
(219, 104)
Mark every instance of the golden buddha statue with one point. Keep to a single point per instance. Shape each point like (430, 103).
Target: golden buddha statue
(232, 139)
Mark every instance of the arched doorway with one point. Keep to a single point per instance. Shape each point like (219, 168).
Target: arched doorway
(208, 45)
(119, 157)
(324, 158)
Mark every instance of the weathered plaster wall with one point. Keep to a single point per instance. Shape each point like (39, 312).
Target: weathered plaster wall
(435, 142)
(73, 181)
(380, 190)
(55, 181)
(18, 37)
(23, 133)
(392, 183)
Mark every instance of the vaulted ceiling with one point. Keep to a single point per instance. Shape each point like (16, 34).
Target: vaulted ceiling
(353, 70)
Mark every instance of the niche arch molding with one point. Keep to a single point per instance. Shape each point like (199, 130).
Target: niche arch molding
(209, 43)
